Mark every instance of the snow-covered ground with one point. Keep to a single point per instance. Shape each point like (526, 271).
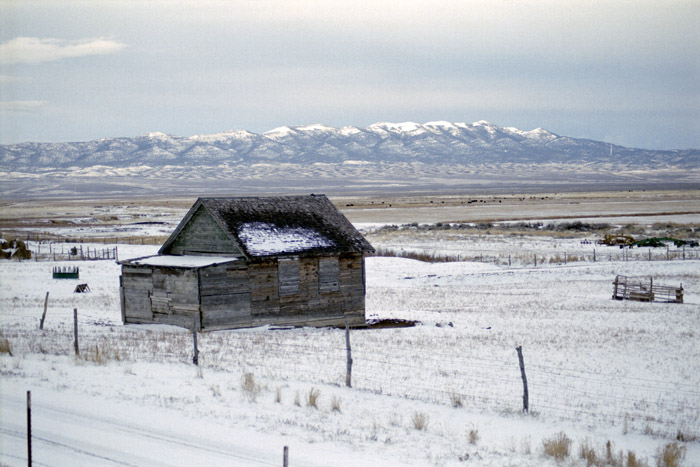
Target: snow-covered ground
(598, 370)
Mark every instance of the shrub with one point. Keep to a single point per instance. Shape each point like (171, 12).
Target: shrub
(312, 398)
(473, 436)
(456, 400)
(670, 455)
(250, 388)
(557, 446)
(420, 421)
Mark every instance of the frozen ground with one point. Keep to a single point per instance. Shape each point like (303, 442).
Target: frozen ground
(597, 370)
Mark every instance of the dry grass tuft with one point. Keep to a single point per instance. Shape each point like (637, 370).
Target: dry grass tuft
(420, 421)
(335, 404)
(557, 446)
(312, 398)
(5, 346)
(608, 457)
(670, 455)
(473, 436)
(456, 400)
(99, 356)
(587, 453)
(632, 460)
(250, 387)
(278, 395)
(685, 437)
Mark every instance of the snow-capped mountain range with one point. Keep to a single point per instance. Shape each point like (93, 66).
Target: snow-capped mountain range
(434, 142)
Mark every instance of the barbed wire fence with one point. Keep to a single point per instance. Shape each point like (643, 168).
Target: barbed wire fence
(650, 406)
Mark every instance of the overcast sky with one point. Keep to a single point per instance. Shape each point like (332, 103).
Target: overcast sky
(626, 72)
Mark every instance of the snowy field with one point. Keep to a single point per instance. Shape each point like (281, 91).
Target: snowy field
(445, 392)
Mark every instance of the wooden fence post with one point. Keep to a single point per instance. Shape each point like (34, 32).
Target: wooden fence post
(75, 331)
(43, 316)
(29, 428)
(285, 457)
(348, 373)
(195, 359)
(526, 402)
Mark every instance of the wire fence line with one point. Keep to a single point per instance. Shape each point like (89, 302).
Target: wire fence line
(543, 256)
(382, 366)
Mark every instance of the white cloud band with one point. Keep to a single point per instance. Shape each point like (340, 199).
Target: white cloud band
(38, 50)
(22, 106)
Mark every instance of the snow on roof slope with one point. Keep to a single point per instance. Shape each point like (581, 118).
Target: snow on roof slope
(185, 261)
(261, 238)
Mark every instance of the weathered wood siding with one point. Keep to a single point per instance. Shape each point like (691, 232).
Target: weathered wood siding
(313, 291)
(160, 295)
(137, 284)
(225, 296)
(203, 236)
(307, 290)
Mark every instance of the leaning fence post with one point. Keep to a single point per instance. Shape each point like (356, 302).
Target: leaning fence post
(285, 457)
(526, 403)
(43, 316)
(348, 373)
(75, 331)
(29, 428)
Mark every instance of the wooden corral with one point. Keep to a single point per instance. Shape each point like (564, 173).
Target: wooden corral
(643, 290)
(240, 262)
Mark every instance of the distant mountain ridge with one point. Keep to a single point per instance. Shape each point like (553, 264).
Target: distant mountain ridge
(433, 142)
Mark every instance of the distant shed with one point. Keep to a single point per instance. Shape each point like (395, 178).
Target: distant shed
(241, 262)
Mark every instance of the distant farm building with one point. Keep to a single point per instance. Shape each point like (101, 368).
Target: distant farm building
(240, 262)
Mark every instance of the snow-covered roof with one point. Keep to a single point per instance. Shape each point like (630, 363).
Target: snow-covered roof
(262, 238)
(279, 225)
(185, 261)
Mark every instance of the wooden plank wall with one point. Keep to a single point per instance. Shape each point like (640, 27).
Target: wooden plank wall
(225, 295)
(315, 299)
(161, 295)
(203, 236)
(241, 295)
(137, 283)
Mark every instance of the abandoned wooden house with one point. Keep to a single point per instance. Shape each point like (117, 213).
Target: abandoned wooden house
(241, 262)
